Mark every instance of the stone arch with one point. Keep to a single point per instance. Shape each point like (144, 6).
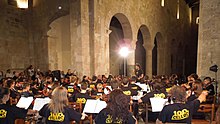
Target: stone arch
(121, 35)
(126, 26)
(158, 55)
(142, 48)
(59, 48)
(58, 15)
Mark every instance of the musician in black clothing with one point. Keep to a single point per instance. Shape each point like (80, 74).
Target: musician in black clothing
(117, 111)
(180, 111)
(83, 95)
(9, 113)
(57, 111)
(134, 88)
(14, 95)
(26, 90)
(99, 90)
(158, 92)
(207, 85)
(125, 86)
(134, 92)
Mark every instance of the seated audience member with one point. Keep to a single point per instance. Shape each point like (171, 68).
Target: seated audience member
(117, 110)
(159, 91)
(180, 111)
(83, 95)
(57, 111)
(9, 113)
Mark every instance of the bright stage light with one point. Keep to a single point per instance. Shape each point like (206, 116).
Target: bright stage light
(22, 3)
(124, 52)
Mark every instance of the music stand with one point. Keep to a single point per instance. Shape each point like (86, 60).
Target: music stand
(214, 68)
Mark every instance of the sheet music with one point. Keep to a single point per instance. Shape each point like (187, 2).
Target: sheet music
(144, 87)
(94, 106)
(40, 102)
(99, 106)
(136, 97)
(106, 91)
(140, 94)
(24, 102)
(157, 104)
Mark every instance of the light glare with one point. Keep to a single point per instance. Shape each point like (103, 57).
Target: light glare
(162, 3)
(178, 10)
(124, 52)
(22, 3)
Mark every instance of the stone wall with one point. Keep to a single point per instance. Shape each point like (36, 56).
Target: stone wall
(59, 49)
(44, 12)
(14, 38)
(209, 38)
(155, 18)
(89, 22)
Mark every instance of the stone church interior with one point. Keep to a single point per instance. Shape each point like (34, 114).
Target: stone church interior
(61, 58)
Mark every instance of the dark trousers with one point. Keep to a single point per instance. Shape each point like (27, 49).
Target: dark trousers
(152, 116)
(135, 108)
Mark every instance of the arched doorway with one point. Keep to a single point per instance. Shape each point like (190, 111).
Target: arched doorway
(154, 58)
(142, 45)
(158, 55)
(59, 48)
(120, 36)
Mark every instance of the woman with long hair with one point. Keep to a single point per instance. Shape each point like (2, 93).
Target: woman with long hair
(117, 110)
(57, 111)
